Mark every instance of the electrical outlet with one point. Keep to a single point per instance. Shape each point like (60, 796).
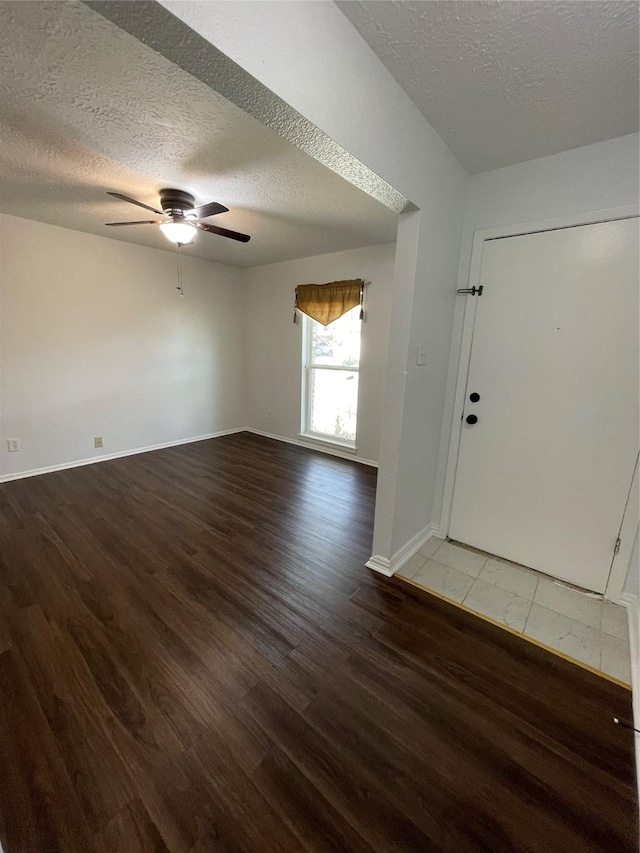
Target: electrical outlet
(421, 357)
(268, 414)
(97, 441)
(13, 444)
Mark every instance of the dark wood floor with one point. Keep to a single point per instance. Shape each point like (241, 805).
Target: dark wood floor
(194, 658)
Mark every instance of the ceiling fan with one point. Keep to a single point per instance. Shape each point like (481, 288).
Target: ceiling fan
(182, 218)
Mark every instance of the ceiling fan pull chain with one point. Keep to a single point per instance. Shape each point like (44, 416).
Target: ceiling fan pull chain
(179, 287)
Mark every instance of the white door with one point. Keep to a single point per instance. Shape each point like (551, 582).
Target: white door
(544, 473)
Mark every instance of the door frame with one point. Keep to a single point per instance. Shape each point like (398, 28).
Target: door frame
(627, 535)
(464, 332)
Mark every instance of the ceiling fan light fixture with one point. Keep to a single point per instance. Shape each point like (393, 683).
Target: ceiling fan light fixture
(178, 232)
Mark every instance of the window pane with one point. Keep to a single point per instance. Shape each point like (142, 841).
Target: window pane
(339, 342)
(333, 397)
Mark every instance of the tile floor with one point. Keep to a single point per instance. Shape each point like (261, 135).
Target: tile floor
(575, 623)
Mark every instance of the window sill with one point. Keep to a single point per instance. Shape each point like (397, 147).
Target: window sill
(331, 442)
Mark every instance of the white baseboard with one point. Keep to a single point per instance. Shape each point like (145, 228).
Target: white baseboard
(389, 567)
(632, 604)
(34, 472)
(77, 463)
(310, 445)
(380, 565)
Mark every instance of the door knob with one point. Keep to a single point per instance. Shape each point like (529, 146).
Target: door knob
(474, 397)
(472, 419)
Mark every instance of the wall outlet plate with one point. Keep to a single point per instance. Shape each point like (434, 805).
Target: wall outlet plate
(97, 441)
(13, 445)
(421, 356)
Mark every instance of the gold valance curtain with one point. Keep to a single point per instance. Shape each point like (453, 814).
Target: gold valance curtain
(326, 302)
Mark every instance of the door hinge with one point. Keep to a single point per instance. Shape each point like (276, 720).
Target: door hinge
(616, 547)
(472, 290)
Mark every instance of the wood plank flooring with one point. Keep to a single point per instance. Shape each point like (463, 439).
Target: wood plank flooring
(194, 658)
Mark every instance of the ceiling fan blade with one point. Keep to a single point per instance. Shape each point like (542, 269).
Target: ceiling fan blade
(208, 210)
(223, 232)
(139, 222)
(133, 201)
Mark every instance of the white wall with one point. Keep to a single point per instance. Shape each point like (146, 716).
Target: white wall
(593, 178)
(273, 344)
(95, 340)
(348, 93)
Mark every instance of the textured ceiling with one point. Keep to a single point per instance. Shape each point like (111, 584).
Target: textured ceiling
(85, 108)
(160, 29)
(505, 82)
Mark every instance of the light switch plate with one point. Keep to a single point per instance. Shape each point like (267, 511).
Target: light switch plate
(421, 358)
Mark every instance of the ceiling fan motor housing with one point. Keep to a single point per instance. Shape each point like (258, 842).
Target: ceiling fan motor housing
(176, 203)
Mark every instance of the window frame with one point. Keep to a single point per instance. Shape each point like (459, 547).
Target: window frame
(307, 366)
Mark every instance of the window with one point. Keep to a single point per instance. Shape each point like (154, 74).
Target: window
(331, 362)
